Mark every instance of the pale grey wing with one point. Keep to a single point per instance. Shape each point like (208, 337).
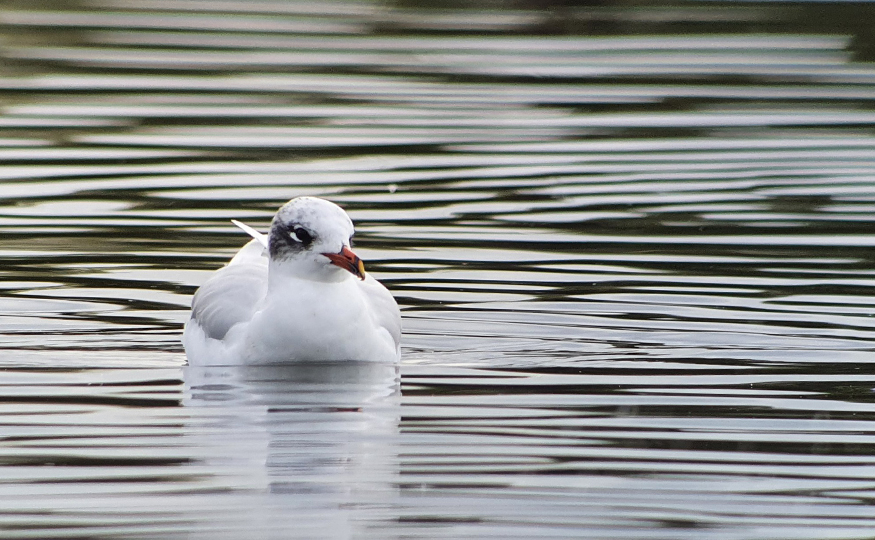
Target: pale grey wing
(384, 309)
(230, 296)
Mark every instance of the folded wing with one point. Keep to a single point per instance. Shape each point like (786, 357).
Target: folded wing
(383, 308)
(233, 294)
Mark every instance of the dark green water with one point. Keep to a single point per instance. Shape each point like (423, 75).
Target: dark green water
(633, 244)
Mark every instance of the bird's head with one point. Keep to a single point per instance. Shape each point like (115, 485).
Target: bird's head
(311, 238)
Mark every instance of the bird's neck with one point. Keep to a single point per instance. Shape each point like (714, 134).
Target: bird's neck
(285, 273)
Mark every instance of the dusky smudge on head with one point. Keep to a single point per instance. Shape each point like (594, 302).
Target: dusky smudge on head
(287, 239)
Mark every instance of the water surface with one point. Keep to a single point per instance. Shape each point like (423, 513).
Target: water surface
(633, 248)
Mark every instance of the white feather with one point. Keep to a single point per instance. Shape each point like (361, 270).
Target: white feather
(262, 238)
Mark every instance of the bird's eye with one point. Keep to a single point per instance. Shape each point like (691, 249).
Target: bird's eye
(301, 235)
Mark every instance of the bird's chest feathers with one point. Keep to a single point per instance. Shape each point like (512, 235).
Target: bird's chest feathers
(319, 321)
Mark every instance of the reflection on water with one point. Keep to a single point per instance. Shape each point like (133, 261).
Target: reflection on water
(632, 245)
(316, 445)
(251, 452)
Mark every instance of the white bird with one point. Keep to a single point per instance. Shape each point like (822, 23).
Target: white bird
(298, 294)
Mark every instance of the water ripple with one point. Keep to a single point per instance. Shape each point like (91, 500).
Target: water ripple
(632, 249)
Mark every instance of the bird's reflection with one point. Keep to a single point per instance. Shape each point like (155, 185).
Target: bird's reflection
(297, 446)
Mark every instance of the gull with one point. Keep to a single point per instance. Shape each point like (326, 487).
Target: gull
(298, 294)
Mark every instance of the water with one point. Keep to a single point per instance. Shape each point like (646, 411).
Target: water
(632, 245)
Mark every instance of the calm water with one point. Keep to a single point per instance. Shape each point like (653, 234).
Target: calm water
(634, 249)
